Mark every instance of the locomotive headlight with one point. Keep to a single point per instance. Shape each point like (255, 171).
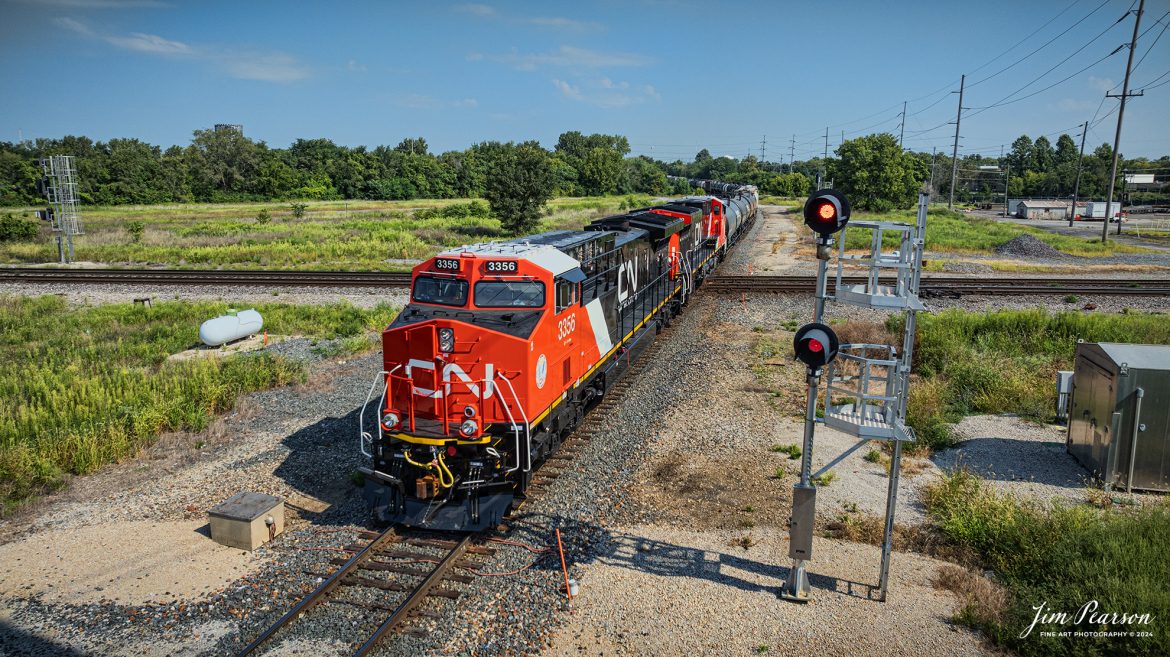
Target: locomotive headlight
(446, 340)
(468, 428)
(390, 420)
(469, 411)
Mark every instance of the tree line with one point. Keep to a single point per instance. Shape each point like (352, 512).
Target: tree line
(226, 165)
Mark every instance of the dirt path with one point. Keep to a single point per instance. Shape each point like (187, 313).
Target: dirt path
(771, 246)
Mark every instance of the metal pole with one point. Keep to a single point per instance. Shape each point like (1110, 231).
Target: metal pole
(791, 155)
(796, 586)
(933, 157)
(1077, 186)
(1007, 181)
(955, 151)
(902, 130)
(821, 182)
(1117, 136)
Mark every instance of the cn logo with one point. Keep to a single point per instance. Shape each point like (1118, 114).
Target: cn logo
(627, 280)
(450, 372)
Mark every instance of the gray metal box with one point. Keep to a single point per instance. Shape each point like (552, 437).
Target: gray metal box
(247, 520)
(804, 517)
(1119, 415)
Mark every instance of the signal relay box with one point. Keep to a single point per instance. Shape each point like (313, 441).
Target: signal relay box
(804, 510)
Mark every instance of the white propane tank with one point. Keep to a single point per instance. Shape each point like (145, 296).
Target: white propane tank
(220, 330)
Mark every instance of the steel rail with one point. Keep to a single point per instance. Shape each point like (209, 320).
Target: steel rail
(321, 591)
(961, 285)
(205, 277)
(416, 596)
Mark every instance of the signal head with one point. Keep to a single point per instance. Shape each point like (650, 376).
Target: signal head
(826, 212)
(815, 345)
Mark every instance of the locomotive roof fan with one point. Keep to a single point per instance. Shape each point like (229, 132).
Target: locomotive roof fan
(826, 212)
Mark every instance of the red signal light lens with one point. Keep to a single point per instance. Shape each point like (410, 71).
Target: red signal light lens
(826, 211)
(815, 346)
(451, 450)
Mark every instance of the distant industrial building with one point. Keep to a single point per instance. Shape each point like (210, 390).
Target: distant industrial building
(229, 127)
(1026, 209)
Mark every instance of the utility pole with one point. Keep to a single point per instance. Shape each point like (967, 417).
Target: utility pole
(955, 151)
(1077, 186)
(902, 130)
(1007, 181)
(791, 154)
(821, 182)
(933, 157)
(1117, 137)
(763, 146)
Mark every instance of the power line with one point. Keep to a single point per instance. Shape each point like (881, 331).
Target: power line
(1046, 44)
(1163, 31)
(1002, 102)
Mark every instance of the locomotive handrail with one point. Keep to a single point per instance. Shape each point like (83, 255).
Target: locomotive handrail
(363, 435)
(527, 426)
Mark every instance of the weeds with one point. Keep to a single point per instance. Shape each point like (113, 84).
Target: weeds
(792, 450)
(1061, 557)
(1005, 361)
(356, 235)
(873, 456)
(89, 386)
(825, 479)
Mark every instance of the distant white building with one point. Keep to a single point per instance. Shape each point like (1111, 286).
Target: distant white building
(1042, 210)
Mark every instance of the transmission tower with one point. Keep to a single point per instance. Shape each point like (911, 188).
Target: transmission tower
(60, 188)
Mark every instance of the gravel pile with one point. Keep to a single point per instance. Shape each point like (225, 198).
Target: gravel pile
(1028, 246)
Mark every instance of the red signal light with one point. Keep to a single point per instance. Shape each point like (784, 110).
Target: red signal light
(451, 450)
(815, 345)
(826, 212)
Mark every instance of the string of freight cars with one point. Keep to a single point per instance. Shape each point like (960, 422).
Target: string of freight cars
(941, 285)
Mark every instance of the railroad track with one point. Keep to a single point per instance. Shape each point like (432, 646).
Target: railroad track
(951, 285)
(931, 285)
(386, 564)
(209, 277)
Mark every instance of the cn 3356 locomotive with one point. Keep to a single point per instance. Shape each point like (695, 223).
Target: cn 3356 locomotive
(505, 346)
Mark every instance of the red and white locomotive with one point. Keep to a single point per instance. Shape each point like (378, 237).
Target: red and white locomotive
(505, 346)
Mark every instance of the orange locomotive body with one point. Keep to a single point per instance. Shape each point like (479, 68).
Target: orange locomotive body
(505, 346)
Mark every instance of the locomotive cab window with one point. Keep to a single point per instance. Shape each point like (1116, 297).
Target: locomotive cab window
(566, 294)
(509, 294)
(442, 291)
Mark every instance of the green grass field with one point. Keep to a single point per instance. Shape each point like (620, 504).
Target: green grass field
(86, 386)
(956, 232)
(1005, 362)
(1061, 557)
(354, 235)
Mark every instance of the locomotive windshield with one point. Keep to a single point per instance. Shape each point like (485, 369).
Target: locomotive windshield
(444, 291)
(509, 294)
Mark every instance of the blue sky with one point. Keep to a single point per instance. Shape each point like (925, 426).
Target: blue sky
(672, 75)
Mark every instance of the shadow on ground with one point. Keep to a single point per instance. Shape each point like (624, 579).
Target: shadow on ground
(653, 557)
(1006, 459)
(15, 642)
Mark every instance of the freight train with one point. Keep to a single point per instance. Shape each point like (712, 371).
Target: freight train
(505, 346)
